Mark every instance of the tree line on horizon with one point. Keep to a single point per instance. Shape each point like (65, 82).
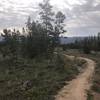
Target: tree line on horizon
(88, 44)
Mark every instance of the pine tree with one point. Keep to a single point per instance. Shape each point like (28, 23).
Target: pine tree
(59, 25)
(6, 42)
(47, 19)
(46, 16)
(11, 43)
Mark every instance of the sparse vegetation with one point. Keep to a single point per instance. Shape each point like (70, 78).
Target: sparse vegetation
(96, 83)
(35, 79)
(32, 64)
(29, 69)
(90, 95)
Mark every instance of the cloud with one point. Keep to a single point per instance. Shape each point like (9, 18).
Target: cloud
(15, 12)
(82, 16)
(85, 18)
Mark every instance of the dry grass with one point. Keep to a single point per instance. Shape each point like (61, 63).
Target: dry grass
(35, 80)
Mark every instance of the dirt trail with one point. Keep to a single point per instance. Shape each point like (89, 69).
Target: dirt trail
(77, 88)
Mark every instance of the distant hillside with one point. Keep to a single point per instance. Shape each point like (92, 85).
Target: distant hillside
(1, 38)
(67, 40)
(63, 40)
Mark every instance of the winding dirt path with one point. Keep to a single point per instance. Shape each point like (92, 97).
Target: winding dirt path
(77, 88)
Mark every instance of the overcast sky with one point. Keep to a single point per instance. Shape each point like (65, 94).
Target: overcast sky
(82, 16)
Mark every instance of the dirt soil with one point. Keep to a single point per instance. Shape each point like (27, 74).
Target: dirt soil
(77, 88)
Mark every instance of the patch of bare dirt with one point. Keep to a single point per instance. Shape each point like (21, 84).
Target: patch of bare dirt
(77, 88)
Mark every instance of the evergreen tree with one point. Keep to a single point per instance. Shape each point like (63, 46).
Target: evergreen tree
(6, 42)
(46, 16)
(59, 25)
(10, 43)
(47, 19)
(36, 40)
